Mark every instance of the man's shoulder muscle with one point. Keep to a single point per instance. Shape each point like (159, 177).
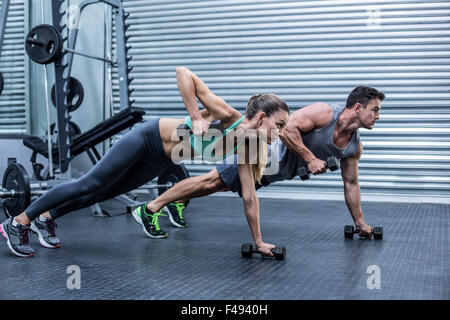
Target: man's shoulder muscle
(319, 113)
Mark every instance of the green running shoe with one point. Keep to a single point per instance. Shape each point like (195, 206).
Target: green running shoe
(149, 221)
(176, 214)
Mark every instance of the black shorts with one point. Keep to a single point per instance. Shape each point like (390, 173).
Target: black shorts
(229, 174)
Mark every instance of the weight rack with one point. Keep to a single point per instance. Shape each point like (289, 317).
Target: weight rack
(63, 68)
(3, 17)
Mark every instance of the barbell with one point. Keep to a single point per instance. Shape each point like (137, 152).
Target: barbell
(44, 45)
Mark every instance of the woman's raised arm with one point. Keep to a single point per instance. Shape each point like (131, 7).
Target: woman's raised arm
(191, 86)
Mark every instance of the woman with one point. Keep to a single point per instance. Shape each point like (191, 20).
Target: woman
(144, 153)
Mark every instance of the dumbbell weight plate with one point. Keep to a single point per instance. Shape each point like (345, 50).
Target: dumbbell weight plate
(51, 47)
(303, 173)
(216, 125)
(183, 130)
(172, 175)
(247, 250)
(280, 253)
(332, 163)
(348, 232)
(378, 233)
(16, 178)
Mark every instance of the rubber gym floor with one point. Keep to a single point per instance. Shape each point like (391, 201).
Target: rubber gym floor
(117, 261)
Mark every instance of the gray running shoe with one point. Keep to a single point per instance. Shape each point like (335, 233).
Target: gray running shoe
(46, 233)
(17, 238)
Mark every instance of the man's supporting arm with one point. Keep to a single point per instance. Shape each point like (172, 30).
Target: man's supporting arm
(352, 191)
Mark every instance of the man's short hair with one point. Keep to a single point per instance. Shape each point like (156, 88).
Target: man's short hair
(363, 95)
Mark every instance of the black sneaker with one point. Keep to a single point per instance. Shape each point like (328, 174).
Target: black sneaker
(46, 232)
(176, 214)
(149, 221)
(17, 238)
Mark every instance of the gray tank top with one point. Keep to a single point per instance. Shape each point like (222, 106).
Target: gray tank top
(319, 141)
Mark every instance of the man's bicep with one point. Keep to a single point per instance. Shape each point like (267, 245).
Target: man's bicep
(349, 169)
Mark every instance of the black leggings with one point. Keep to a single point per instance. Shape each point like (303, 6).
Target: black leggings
(135, 159)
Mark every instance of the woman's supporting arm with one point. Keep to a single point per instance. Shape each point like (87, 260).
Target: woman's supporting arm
(251, 207)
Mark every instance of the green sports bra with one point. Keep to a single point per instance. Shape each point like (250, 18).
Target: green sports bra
(200, 145)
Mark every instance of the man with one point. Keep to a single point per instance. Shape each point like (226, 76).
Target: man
(312, 134)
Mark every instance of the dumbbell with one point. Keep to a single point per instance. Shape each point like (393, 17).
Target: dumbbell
(332, 164)
(377, 232)
(183, 128)
(248, 250)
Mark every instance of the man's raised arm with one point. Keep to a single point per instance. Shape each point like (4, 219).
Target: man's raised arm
(306, 119)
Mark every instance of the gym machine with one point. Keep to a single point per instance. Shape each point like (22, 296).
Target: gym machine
(44, 44)
(3, 16)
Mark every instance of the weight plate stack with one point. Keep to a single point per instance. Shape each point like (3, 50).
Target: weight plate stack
(74, 130)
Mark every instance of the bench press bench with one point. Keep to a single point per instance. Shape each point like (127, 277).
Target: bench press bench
(86, 141)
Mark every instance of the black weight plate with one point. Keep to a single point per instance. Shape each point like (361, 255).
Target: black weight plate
(348, 232)
(280, 253)
(2, 83)
(247, 250)
(50, 46)
(75, 97)
(332, 163)
(16, 178)
(74, 130)
(172, 174)
(378, 233)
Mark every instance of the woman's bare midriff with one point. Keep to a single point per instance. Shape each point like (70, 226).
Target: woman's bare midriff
(167, 127)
